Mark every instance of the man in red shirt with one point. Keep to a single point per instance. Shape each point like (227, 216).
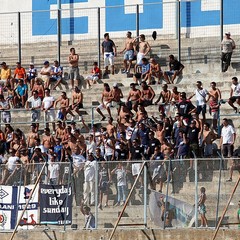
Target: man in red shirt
(95, 75)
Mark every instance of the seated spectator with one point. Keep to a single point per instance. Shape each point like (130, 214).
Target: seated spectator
(175, 69)
(45, 74)
(155, 71)
(38, 86)
(31, 75)
(234, 94)
(5, 75)
(20, 73)
(21, 94)
(4, 106)
(95, 75)
(145, 70)
(56, 74)
(77, 102)
(116, 95)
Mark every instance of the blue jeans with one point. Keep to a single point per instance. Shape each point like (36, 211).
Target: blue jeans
(121, 193)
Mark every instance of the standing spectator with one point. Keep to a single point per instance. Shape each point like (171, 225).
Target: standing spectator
(116, 94)
(20, 73)
(95, 75)
(165, 95)
(34, 103)
(147, 94)
(227, 140)
(5, 75)
(143, 49)
(121, 173)
(31, 75)
(4, 106)
(109, 51)
(89, 180)
(175, 69)
(227, 45)
(47, 107)
(202, 207)
(21, 94)
(45, 73)
(105, 101)
(56, 74)
(152, 144)
(31, 139)
(234, 94)
(201, 99)
(73, 59)
(53, 171)
(128, 53)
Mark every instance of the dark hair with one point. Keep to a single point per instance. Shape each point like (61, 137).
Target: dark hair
(235, 78)
(1, 96)
(199, 82)
(213, 83)
(225, 119)
(207, 124)
(35, 91)
(171, 56)
(95, 63)
(72, 49)
(106, 34)
(144, 60)
(142, 36)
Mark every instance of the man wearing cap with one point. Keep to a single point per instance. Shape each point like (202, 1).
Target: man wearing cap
(227, 45)
(31, 74)
(45, 74)
(5, 74)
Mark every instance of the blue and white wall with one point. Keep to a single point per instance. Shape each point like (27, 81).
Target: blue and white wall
(199, 18)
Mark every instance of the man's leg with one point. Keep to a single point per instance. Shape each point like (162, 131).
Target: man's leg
(165, 75)
(230, 102)
(100, 112)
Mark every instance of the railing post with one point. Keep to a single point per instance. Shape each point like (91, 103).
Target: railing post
(19, 38)
(221, 26)
(196, 189)
(96, 195)
(92, 120)
(145, 194)
(179, 28)
(59, 32)
(137, 20)
(99, 36)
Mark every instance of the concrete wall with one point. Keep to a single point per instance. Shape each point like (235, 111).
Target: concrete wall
(198, 18)
(187, 234)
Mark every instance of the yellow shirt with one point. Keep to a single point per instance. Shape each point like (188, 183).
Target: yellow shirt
(5, 73)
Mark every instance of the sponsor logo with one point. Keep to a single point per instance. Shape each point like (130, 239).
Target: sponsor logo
(3, 194)
(3, 219)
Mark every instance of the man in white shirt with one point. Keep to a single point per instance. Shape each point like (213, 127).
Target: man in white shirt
(234, 94)
(227, 140)
(53, 171)
(201, 95)
(45, 74)
(4, 106)
(89, 180)
(47, 107)
(34, 103)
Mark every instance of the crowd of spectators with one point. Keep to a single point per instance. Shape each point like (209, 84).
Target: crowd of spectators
(178, 129)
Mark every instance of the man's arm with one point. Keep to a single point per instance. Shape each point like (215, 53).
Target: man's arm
(148, 48)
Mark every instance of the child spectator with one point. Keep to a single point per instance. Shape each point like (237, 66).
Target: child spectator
(89, 217)
(202, 207)
(92, 79)
(121, 173)
(214, 111)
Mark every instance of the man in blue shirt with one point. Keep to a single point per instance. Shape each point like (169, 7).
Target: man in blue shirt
(145, 70)
(21, 93)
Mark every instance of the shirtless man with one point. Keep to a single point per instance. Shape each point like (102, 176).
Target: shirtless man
(77, 102)
(144, 49)
(165, 95)
(105, 101)
(110, 127)
(32, 136)
(73, 59)
(208, 137)
(116, 94)
(64, 106)
(147, 94)
(47, 139)
(160, 133)
(60, 130)
(133, 97)
(155, 70)
(128, 53)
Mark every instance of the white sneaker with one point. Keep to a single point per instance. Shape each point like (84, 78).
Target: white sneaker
(53, 133)
(72, 118)
(80, 118)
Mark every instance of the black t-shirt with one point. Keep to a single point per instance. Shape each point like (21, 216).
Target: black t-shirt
(193, 135)
(108, 45)
(136, 153)
(175, 65)
(122, 154)
(184, 108)
(152, 143)
(168, 130)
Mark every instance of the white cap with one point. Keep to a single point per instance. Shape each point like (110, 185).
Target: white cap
(31, 64)
(227, 33)
(115, 85)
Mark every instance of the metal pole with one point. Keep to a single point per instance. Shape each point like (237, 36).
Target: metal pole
(179, 29)
(145, 195)
(221, 25)
(137, 20)
(59, 30)
(196, 189)
(219, 187)
(99, 37)
(92, 120)
(96, 195)
(19, 38)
